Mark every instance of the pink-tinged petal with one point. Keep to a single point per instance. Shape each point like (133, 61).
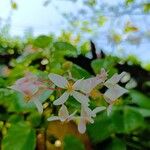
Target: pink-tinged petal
(86, 114)
(113, 93)
(58, 80)
(82, 126)
(84, 100)
(53, 118)
(114, 79)
(39, 106)
(61, 100)
(77, 84)
(63, 113)
(97, 110)
(109, 109)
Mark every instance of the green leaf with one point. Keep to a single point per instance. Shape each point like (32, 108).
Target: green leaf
(106, 63)
(132, 120)
(101, 129)
(117, 120)
(146, 7)
(65, 48)
(42, 41)
(128, 2)
(116, 144)
(144, 112)
(140, 99)
(73, 143)
(101, 20)
(79, 72)
(20, 136)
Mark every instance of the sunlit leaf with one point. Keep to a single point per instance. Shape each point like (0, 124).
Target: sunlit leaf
(43, 41)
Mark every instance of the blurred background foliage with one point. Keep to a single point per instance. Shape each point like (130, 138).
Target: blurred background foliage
(128, 127)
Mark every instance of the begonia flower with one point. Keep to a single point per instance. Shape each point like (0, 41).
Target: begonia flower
(114, 90)
(87, 117)
(31, 88)
(63, 115)
(71, 90)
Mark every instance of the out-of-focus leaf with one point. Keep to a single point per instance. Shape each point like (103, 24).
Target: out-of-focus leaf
(128, 2)
(20, 136)
(42, 41)
(65, 48)
(78, 72)
(85, 47)
(140, 99)
(115, 38)
(116, 144)
(144, 112)
(14, 5)
(132, 119)
(117, 120)
(130, 28)
(72, 142)
(101, 129)
(101, 20)
(107, 64)
(146, 7)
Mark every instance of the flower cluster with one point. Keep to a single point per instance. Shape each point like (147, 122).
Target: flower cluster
(31, 87)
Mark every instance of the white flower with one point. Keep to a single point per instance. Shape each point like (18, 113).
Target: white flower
(86, 117)
(114, 91)
(31, 88)
(63, 115)
(89, 84)
(71, 90)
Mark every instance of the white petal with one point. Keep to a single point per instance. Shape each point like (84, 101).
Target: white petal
(61, 100)
(114, 79)
(39, 106)
(58, 80)
(87, 85)
(53, 118)
(81, 98)
(97, 110)
(77, 84)
(63, 113)
(109, 109)
(115, 92)
(82, 126)
(86, 114)
(71, 117)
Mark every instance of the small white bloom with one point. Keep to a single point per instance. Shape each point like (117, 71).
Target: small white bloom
(114, 91)
(63, 115)
(87, 85)
(86, 117)
(31, 88)
(71, 90)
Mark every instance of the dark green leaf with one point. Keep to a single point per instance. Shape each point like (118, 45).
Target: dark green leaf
(73, 143)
